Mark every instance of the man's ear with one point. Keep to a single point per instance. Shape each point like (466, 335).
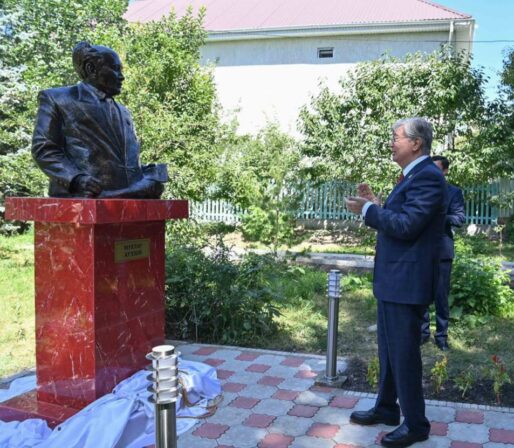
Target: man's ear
(90, 69)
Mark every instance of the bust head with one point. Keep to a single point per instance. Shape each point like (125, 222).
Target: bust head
(99, 66)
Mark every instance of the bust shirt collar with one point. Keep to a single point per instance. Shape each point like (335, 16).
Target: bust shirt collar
(94, 91)
(411, 165)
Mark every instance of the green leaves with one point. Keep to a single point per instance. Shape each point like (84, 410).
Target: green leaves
(213, 299)
(348, 131)
(479, 287)
(172, 98)
(262, 175)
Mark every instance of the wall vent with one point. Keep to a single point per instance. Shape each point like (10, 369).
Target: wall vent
(325, 52)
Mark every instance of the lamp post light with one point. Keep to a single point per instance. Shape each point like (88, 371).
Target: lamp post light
(331, 377)
(164, 388)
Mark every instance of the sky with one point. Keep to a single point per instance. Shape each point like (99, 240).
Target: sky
(494, 22)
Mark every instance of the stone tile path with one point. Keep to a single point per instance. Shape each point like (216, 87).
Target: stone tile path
(270, 401)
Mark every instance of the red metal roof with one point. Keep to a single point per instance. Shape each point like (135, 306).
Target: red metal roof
(230, 15)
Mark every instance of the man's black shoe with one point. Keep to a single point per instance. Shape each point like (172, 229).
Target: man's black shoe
(402, 437)
(373, 418)
(442, 345)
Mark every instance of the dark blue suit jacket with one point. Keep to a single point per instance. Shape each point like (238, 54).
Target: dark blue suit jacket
(455, 217)
(410, 228)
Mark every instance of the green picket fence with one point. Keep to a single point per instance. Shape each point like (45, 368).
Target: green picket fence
(325, 202)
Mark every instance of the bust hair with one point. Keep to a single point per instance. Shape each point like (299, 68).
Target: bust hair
(84, 53)
(417, 127)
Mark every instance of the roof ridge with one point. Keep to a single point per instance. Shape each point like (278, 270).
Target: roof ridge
(445, 8)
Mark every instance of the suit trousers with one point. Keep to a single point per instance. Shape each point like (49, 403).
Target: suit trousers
(442, 309)
(399, 355)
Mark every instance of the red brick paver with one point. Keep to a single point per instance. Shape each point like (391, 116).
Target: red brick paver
(259, 420)
(344, 402)
(224, 374)
(214, 362)
(259, 368)
(292, 361)
(210, 430)
(323, 430)
(438, 429)
(325, 389)
(379, 436)
(270, 380)
(205, 351)
(306, 374)
(248, 356)
(233, 387)
(302, 410)
(283, 394)
(276, 441)
(466, 416)
(244, 402)
(457, 444)
(501, 435)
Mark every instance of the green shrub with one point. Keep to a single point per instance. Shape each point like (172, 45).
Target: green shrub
(479, 287)
(267, 226)
(213, 299)
(439, 373)
(373, 374)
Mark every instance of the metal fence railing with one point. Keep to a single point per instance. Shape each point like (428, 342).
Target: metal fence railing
(326, 202)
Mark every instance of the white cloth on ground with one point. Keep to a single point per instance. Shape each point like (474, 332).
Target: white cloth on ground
(121, 419)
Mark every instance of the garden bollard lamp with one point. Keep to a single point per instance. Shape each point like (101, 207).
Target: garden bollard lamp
(164, 388)
(331, 378)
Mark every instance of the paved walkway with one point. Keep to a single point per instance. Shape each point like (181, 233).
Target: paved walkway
(346, 262)
(270, 401)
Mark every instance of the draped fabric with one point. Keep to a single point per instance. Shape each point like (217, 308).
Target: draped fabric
(121, 419)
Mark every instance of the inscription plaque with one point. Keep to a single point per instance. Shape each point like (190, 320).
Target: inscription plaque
(129, 250)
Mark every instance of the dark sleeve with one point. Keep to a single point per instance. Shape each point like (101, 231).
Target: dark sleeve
(48, 143)
(423, 200)
(456, 216)
(156, 172)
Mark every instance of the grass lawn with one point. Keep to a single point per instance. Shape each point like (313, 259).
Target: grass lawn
(17, 334)
(304, 328)
(303, 322)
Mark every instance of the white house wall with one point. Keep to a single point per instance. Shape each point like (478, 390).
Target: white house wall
(270, 79)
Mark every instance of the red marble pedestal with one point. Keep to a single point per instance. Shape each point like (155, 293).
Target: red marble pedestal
(99, 277)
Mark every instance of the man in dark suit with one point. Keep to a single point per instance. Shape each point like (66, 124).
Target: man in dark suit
(410, 226)
(455, 217)
(85, 141)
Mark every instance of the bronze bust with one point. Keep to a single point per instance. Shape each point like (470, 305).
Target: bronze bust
(84, 140)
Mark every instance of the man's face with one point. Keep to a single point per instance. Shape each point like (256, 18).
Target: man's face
(439, 165)
(404, 149)
(109, 76)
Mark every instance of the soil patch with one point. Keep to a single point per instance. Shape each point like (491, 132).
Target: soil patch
(481, 392)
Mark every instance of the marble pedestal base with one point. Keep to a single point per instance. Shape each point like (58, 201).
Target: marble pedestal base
(99, 277)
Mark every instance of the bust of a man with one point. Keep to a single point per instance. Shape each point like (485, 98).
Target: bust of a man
(84, 140)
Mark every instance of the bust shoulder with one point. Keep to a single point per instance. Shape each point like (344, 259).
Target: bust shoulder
(61, 93)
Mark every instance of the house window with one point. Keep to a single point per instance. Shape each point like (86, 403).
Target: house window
(325, 52)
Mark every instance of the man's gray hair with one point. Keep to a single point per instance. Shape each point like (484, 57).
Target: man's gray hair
(84, 53)
(417, 127)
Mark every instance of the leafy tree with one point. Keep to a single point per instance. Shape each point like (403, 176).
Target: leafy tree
(347, 133)
(172, 98)
(262, 175)
(507, 76)
(36, 39)
(173, 101)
